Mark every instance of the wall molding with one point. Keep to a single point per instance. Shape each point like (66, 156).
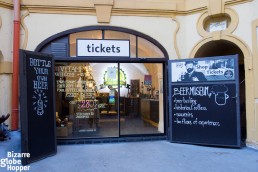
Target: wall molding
(6, 67)
(255, 52)
(119, 7)
(249, 77)
(215, 7)
(6, 4)
(0, 22)
(103, 10)
(231, 28)
(26, 32)
(175, 37)
(231, 38)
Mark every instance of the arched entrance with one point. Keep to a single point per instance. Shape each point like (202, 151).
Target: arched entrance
(108, 96)
(222, 48)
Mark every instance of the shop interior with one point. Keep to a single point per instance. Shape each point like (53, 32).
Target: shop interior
(108, 99)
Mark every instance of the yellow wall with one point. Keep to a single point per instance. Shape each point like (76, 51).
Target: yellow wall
(187, 35)
(244, 28)
(176, 24)
(5, 60)
(6, 33)
(156, 27)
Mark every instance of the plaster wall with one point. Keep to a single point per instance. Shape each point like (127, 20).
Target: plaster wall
(42, 26)
(187, 36)
(6, 34)
(247, 13)
(161, 29)
(6, 95)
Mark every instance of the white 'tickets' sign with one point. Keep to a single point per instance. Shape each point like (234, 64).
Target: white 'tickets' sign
(93, 48)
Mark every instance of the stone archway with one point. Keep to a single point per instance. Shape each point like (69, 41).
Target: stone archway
(228, 46)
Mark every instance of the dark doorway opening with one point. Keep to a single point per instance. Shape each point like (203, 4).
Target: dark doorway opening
(223, 48)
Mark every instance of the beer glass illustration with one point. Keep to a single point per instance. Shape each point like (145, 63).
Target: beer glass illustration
(220, 92)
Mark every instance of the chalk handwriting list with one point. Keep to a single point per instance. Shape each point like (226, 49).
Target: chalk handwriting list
(186, 105)
(202, 123)
(71, 83)
(219, 92)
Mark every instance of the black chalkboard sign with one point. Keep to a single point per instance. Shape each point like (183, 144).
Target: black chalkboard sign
(206, 112)
(37, 105)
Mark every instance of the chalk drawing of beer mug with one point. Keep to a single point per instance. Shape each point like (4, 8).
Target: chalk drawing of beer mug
(221, 98)
(220, 92)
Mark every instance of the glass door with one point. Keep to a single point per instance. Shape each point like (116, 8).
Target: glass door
(92, 97)
(106, 75)
(86, 100)
(141, 99)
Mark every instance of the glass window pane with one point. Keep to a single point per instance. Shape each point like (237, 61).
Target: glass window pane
(141, 102)
(120, 35)
(84, 106)
(146, 49)
(94, 34)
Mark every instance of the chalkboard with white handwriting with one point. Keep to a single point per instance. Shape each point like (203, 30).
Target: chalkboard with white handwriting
(206, 112)
(37, 105)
